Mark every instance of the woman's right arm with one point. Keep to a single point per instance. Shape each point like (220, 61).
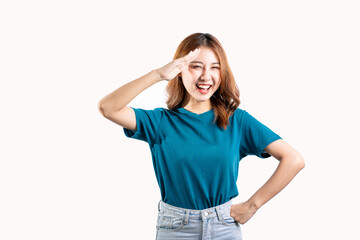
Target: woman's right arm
(114, 105)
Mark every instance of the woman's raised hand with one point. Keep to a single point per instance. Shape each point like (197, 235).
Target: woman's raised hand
(170, 70)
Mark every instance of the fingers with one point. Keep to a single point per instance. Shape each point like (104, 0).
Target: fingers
(191, 55)
(182, 66)
(183, 61)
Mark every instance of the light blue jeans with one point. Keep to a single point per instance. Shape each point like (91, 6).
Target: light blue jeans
(211, 223)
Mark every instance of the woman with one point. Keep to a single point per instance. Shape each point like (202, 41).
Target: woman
(198, 142)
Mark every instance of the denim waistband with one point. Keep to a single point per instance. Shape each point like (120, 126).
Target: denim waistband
(217, 211)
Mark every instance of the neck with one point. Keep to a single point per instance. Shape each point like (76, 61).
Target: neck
(197, 107)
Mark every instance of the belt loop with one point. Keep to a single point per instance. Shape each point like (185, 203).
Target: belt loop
(187, 216)
(159, 205)
(218, 213)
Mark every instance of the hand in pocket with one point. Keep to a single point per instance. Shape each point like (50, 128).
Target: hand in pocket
(242, 212)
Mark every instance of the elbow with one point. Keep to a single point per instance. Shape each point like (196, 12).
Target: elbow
(101, 109)
(300, 163)
(295, 160)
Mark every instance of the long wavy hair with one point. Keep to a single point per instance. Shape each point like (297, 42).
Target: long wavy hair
(225, 99)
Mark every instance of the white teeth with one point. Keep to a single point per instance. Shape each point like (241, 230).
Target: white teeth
(203, 87)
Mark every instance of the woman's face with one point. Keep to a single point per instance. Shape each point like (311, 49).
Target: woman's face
(203, 71)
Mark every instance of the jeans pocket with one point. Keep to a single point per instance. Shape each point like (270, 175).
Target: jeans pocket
(228, 220)
(169, 221)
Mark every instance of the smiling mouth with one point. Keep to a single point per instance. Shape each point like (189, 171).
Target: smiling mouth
(203, 89)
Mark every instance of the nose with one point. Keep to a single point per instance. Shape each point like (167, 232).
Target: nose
(206, 74)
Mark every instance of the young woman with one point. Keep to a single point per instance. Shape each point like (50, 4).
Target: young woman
(198, 141)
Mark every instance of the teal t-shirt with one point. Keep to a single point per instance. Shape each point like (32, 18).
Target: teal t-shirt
(195, 161)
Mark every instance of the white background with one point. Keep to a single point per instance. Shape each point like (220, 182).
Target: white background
(69, 173)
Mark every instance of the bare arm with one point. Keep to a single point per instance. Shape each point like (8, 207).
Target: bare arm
(122, 96)
(290, 163)
(114, 105)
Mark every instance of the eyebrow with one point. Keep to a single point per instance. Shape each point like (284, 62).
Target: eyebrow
(202, 62)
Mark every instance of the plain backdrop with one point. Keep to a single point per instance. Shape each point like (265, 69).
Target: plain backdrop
(66, 172)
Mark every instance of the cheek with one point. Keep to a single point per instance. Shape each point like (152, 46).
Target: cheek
(187, 75)
(189, 85)
(217, 86)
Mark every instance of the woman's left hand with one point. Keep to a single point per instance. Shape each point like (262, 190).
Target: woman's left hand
(242, 212)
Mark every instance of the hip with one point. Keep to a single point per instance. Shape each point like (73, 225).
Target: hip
(211, 223)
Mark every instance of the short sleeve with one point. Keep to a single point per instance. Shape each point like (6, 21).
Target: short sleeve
(147, 124)
(255, 137)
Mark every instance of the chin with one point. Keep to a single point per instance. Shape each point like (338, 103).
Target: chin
(203, 99)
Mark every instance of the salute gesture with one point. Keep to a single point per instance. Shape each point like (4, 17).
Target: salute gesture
(170, 70)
